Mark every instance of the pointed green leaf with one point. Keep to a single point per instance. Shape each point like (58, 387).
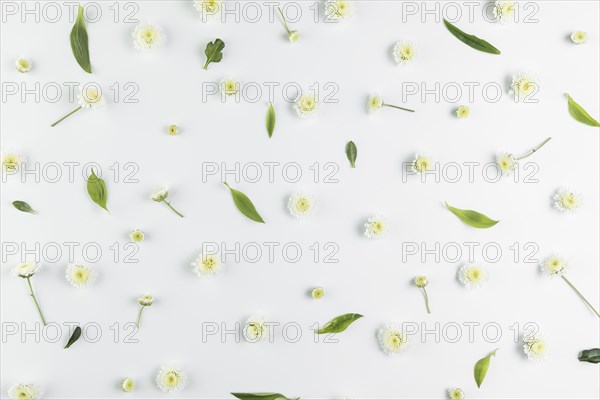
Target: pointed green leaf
(270, 120)
(472, 218)
(339, 324)
(591, 356)
(351, 153)
(214, 52)
(74, 337)
(243, 203)
(79, 42)
(471, 40)
(580, 114)
(481, 368)
(97, 190)
(22, 206)
(261, 396)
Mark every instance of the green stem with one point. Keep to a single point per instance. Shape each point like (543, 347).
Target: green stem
(35, 300)
(426, 301)
(580, 295)
(206, 65)
(139, 318)
(68, 115)
(284, 22)
(534, 150)
(399, 108)
(171, 207)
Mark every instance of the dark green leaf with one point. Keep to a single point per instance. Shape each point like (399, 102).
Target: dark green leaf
(472, 218)
(270, 120)
(97, 190)
(243, 203)
(580, 114)
(471, 40)
(74, 337)
(351, 153)
(79, 42)
(214, 52)
(261, 396)
(481, 368)
(22, 206)
(339, 324)
(591, 356)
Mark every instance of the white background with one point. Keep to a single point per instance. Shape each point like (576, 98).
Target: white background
(370, 278)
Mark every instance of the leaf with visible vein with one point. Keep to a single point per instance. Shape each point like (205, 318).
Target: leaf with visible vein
(24, 207)
(74, 337)
(580, 114)
(351, 153)
(591, 356)
(471, 40)
(481, 368)
(97, 190)
(214, 52)
(472, 218)
(244, 204)
(79, 42)
(261, 396)
(270, 120)
(339, 324)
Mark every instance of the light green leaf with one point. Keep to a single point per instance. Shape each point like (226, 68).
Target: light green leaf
(471, 40)
(351, 153)
(481, 368)
(243, 203)
(214, 52)
(74, 337)
(22, 206)
(270, 120)
(79, 42)
(261, 396)
(339, 324)
(591, 356)
(580, 114)
(472, 218)
(97, 190)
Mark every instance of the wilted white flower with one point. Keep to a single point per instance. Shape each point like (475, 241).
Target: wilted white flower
(230, 87)
(504, 10)
(456, 394)
(535, 347)
(421, 163)
(317, 293)
(207, 265)
(172, 130)
(404, 52)
(392, 340)
(300, 205)
(79, 275)
(146, 300)
(375, 227)
(338, 10)
(170, 379)
(506, 162)
(522, 86)
(472, 275)
(26, 269)
(11, 161)
(160, 196)
(375, 102)
(293, 36)
(567, 200)
(128, 385)
(90, 96)
(24, 391)
(208, 8)
(137, 236)
(579, 37)
(306, 105)
(553, 266)
(463, 112)
(23, 65)
(147, 36)
(255, 329)
(422, 282)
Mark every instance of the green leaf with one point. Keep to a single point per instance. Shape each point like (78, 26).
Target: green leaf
(22, 206)
(351, 153)
(481, 368)
(243, 203)
(270, 120)
(74, 337)
(339, 324)
(79, 42)
(97, 190)
(472, 218)
(591, 356)
(580, 114)
(261, 396)
(214, 52)
(471, 40)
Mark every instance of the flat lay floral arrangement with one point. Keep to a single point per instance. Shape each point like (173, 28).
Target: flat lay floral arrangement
(243, 201)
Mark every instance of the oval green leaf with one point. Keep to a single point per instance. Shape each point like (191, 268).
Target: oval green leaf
(339, 324)
(591, 356)
(580, 114)
(74, 337)
(481, 368)
(261, 396)
(97, 190)
(270, 120)
(79, 42)
(471, 40)
(22, 206)
(472, 218)
(351, 153)
(214, 52)
(243, 203)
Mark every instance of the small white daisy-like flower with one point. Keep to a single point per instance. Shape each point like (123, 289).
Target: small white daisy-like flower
(553, 265)
(160, 194)
(26, 269)
(535, 347)
(374, 103)
(24, 391)
(172, 130)
(463, 112)
(421, 163)
(146, 300)
(567, 200)
(255, 329)
(208, 8)
(128, 385)
(23, 65)
(11, 161)
(300, 205)
(506, 162)
(317, 293)
(147, 36)
(137, 236)
(472, 275)
(338, 10)
(376, 227)
(392, 340)
(293, 36)
(90, 96)
(79, 275)
(456, 394)
(306, 105)
(230, 87)
(207, 265)
(404, 52)
(522, 86)
(170, 379)
(504, 10)
(579, 37)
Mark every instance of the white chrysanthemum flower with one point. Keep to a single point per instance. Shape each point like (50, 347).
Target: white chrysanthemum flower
(147, 36)
(374, 103)
(11, 161)
(172, 129)
(170, 379)
(79, 275)
(300, 205)
(90, 96)
(317, 293)
(293, 36)
(472, 275)
(579, 37)
(208, 8)
(255, 329)
(535, 347)
(421, 163)
(463, 112)
(230, 87)
(306, 105)
(504, 10)
(392, 340)
(207, 265)
(567, 200)
(128, 385)
(522, 86)
(338, 10)
(24, 391)
(506, 162)
(146, 300)
(553, 265)
(456, 394)
(26, 269)
(160, 195)
(376, 227)
(404, 52)
(23, 65)
(137, 236)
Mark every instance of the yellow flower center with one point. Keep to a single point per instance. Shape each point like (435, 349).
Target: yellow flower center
(473, 274)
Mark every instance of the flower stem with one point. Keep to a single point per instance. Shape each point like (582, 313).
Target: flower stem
(35, 300)
(284, 22)
(139, 318)
(171, 207)
(580, 295)
(426, 301)
(534, 150)
(399, 108)
(68, 115)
